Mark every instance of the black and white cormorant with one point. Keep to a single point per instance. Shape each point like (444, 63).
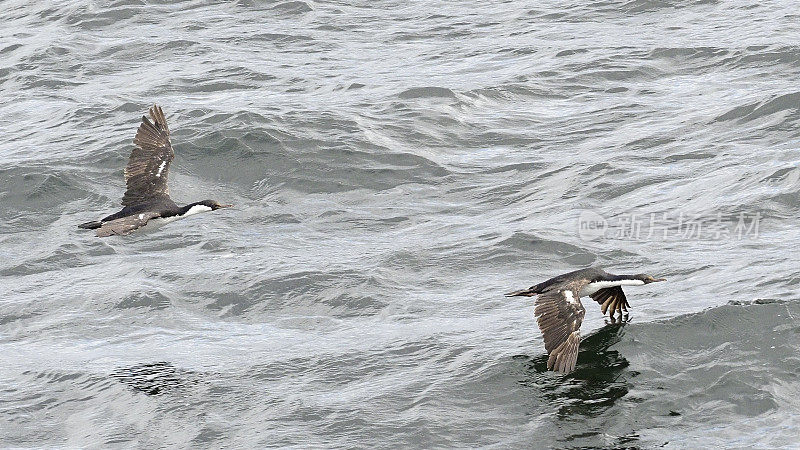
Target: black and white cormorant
(147, 196)
(559, 311)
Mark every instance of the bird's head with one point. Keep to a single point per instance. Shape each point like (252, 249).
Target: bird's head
(647, 279)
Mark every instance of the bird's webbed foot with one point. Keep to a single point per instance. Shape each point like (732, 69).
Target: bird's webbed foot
(618, 319)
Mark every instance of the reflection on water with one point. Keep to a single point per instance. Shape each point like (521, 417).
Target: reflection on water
(599, 379)
(154, 378)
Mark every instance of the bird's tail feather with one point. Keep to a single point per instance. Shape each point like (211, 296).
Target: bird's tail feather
(91, 225)
(530, 292)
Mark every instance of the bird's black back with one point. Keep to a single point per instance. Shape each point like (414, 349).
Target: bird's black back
(163, 205)
(590, 274)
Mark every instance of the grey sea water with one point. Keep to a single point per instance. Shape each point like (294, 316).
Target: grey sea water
(396, 167)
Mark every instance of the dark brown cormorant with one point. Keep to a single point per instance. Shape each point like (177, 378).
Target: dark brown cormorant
(147, 196)
(559, 311)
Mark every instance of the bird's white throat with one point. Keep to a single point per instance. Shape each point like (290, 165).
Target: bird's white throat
(196, 209)
(591, 288)
(159, 221)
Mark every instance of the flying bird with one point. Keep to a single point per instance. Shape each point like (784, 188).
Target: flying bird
(147, 197)
(559, 311)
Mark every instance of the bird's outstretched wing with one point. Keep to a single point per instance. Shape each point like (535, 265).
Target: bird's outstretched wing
(559, 313)
(126, 224)
(148, 166)
(611, 299)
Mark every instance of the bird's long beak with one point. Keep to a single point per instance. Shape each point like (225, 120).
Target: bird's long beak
(226, 206)
(659, 279)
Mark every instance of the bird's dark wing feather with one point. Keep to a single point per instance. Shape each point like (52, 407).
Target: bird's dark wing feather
(611, 299)
(148, 166)
(560, 316)
(126, 224)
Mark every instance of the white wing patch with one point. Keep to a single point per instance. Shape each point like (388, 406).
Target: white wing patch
(568, 295)
(161, 168)
(141, 216)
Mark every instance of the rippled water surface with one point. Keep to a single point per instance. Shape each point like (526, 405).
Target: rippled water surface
(396, 167)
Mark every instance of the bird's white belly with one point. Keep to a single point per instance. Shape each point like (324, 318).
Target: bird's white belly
(158, 222)
(590, 289)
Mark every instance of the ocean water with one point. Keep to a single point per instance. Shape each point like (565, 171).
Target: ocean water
(396, 167)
